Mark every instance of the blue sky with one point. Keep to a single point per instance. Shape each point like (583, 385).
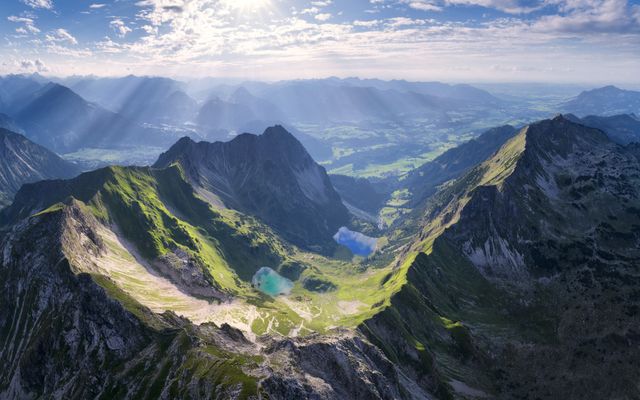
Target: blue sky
(451, 40)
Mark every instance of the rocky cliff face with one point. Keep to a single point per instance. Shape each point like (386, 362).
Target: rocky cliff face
(571, 190)
(22, 161)
(270, 176)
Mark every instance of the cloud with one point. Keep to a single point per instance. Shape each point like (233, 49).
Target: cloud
(323, 17)
(97, 5)
(592, 17)
(119, 27)
(423, 5)
(216, 37)
(36, 65)
(507, 6)
(28, 24)
(61, 35)
(46, 4)
(366, 24)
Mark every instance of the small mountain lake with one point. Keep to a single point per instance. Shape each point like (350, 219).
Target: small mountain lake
(271, 283)
(359, 243)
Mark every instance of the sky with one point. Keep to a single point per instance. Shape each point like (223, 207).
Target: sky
(569, 41)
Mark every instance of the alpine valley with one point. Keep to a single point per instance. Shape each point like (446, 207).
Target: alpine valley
(505, 265)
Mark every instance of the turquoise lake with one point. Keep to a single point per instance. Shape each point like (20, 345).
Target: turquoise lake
(271, 283)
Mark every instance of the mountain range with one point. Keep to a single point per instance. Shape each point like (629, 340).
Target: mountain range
(512, 272)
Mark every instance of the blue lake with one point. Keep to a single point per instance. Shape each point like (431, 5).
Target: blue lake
(359, 243)
(270, 282)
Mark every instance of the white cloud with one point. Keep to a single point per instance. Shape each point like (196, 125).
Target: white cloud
(366, 24)
(215, 37)
(46, 4)
(507, 6)
(310, 10)
(36, 65)
(97, 5)
(323, 17)
(61, 35)
(423, 5)
(592, 16)
(28, 24)
(119, 27)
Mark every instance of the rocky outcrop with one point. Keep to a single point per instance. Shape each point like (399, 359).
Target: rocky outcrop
(339, 366)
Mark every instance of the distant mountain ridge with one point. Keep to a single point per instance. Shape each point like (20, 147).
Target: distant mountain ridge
(22, 161)
(605, 101)
(270, 176)
(622, 129)
(424, 181)
(60, 119)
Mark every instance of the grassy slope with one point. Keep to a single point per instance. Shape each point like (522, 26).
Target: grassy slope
(158, 212)
(439, 288)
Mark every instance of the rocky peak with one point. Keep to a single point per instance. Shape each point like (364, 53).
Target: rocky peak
(270, 176)
(563, 188)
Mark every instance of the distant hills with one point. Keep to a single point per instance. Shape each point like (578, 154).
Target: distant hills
(316, 101)
(58, 118)
(141, 99)
(22, 161)
(424, 181)
(605, 101)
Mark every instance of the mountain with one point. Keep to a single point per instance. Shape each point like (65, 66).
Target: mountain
(320, 150)
(318, 102)
(522, 278)
(61, 120)
(262, 109)
(359, 193)
(608, 100)
(424, 181)
(116, 94)
(6, 122)
(465, 93)
(622, 129)
(80, 333)
(131, 285)
(23, 161)
(518, 279)
(270, 176)
(220, 114)
(15, 90)
(143, 99)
